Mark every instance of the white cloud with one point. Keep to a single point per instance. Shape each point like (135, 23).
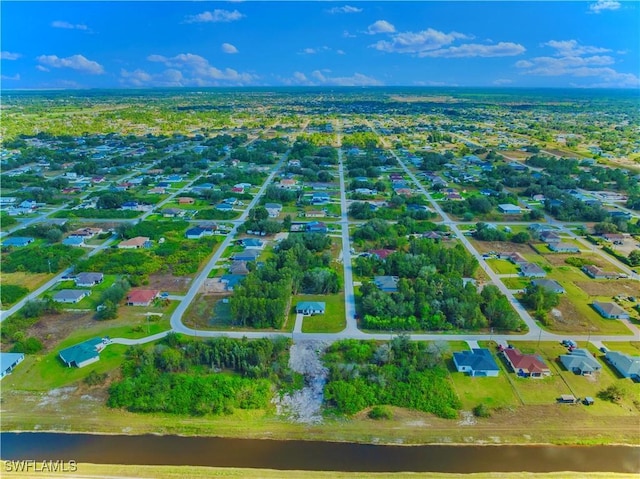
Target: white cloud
(9, 55)
(215, 16)
(141, 78)
(345, 9)
(417, 42)
(75, 62)
(69, 26)
(323, 77)
(346, 34)
(575, 60)
(15, 77)
(502, 49)
(42, 69)
(313, 51)
(229, 48)
(502, 81)
(196, 70)
(340, 52)
(601, 5)
(573, 48)
(381, 26)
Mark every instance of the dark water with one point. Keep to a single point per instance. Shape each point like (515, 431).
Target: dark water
(310, 455)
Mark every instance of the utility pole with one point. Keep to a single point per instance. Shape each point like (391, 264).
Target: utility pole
(539, 336)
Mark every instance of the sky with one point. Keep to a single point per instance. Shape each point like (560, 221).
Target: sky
(85, 44)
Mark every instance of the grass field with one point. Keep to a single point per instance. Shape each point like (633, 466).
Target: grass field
(31, 281)
(117, 471)
(502, 266)
(332, 321)
(515, 283)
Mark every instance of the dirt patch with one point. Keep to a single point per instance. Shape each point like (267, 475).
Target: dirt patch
(570, 319)
(201, 311)
(169, 283)
(609, 287)
(502, 247)
(53, 328)
(517, 154)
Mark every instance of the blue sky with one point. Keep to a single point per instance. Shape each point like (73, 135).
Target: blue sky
(160, 44)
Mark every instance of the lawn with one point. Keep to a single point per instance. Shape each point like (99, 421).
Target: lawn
(31, 281)
(502, 266)
(494, 392)
(332, 321)
(630, 347)
(515, 283)
(91, 301)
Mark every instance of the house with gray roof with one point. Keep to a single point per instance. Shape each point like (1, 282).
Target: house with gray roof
(8, 362)
(310, 307)
(87, 280)
(477, 362)
(563, 247)
(531, 270)
(549, 285)
(610, 310)
(83, 354)
(580, 361)
(72, 296)
(386, 284)
(247, 255)
(628, 366)
(18, 241)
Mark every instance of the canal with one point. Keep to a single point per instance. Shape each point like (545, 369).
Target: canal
(314, 455)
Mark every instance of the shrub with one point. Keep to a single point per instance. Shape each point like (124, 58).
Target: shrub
(94, 378)
(380, 412)
(481, 410)
(30, 345)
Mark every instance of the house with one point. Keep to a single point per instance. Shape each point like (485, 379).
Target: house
(72, 296)
(432, 235)
(310, 307)
(549, 285)
(237, 189)
(186, 200)
(88, 280)
(509, 209)
(381, 253)
(580, 361)
(563, 248)
(142, 297)
(316, 227)
(597, 273)
(628, 366)
(231, 280)
(157, 191)
(247, 255)
(7, 200)
(73, 241)
(130, 205)
(252, 243)
(288, 183)
(195, 233)
(238, 268)
(273, 209)
(86, 233)
(224, 207)
(386, 284)
(135, 243)
(610, 310)
(84, 353)
(547, 236)
(478, 362)
(531, 270)
(515, 258)
(320, 198)
(173, 178)
(526, 365)
(172, 213)
(8, 362)
(18, 241)
(614, 238)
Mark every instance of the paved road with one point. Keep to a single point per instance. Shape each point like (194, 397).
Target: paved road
(34, 294)
(349, 294)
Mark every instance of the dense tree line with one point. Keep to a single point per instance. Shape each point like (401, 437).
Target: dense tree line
(399, 373)
(191, 377)
(54, 258)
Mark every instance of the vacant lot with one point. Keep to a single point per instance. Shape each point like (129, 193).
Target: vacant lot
(31, 281)
(502, 266)
(609, 287)
(169, 283)
(501, 247)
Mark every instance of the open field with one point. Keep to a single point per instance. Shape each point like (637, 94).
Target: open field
(502, 266)
(31, 281)
(117, 471)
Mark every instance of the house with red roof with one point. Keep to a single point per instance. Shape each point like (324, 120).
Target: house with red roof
(142, 297)
(381, 253)
(526, 365)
